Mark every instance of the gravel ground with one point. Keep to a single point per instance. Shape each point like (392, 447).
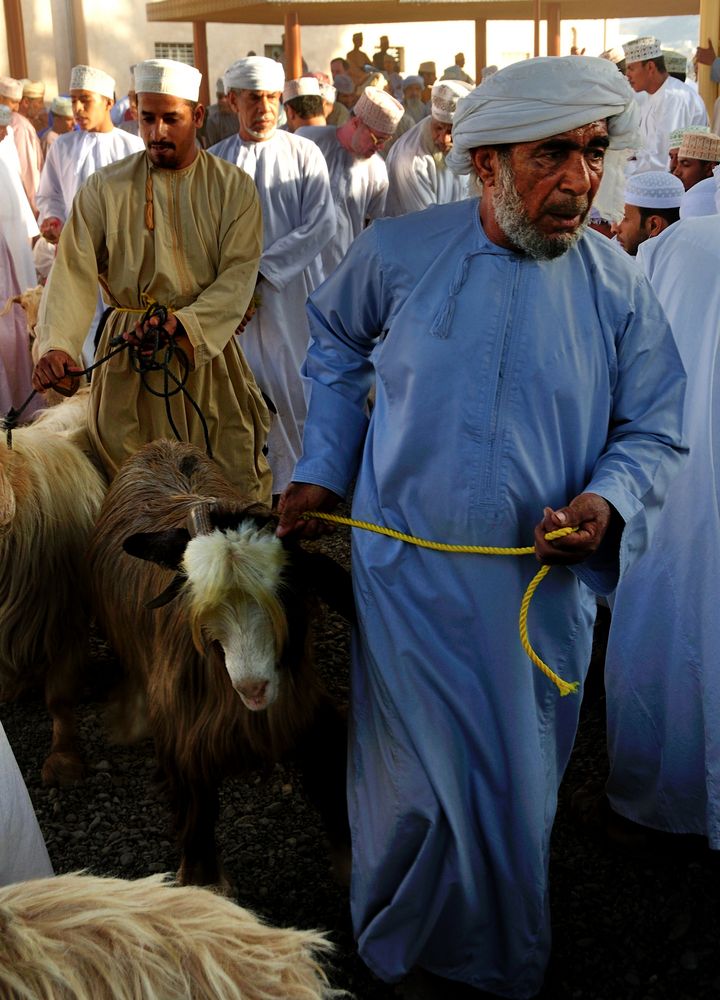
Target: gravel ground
(642, 926)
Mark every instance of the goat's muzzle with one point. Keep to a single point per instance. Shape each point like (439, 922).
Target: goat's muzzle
(254, 694)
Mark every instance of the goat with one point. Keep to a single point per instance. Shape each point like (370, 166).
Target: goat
(212, 629)
(50, 495)
(81, 937)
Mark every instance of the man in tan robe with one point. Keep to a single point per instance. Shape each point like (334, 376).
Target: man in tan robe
(173, 226)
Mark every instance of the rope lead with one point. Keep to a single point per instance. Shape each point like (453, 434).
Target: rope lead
(563, 686)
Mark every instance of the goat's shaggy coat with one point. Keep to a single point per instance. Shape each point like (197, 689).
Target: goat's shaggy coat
(174, 656)
(50, 495)
(80, 937)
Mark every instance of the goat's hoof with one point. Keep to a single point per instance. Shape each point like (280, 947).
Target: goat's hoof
(62, 769)
(212, 877)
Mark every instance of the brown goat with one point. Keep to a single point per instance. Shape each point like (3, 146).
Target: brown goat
(222, 661)
(50, 494)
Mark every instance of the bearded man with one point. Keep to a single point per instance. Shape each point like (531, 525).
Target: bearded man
(525, 374)
(298, 220)
(416, 164)
(175, 226)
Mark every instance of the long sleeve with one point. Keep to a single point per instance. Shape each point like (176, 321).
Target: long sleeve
(294, 251)
(50, 195)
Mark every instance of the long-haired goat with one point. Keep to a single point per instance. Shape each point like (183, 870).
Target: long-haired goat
(50, 495)
(81, 937)
(228, 637)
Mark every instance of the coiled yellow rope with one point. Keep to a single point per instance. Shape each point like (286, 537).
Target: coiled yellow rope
(564, 687)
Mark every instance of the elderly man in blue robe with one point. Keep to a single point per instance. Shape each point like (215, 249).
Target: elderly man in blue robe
(527, 380)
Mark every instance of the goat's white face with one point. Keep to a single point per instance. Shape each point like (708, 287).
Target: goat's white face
(234, 578)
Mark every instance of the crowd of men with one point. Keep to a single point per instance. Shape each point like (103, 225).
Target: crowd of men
(536, 288)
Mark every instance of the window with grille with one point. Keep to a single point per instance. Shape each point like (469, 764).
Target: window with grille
(179, 51)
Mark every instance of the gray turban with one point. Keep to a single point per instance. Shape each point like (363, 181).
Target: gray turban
(537, 98)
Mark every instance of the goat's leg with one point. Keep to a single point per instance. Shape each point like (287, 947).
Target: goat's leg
(64, 764)
(322, 758)
(195, 805)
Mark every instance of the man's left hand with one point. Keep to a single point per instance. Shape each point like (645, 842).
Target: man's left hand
(589, 513)
(143, 334)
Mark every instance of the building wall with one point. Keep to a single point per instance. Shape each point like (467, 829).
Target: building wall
(118, 35)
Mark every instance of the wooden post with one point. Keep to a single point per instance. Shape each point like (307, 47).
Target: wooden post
(536, 17)
(709, 28)
(17, 57)
(480, 47)
(293, 52)
(200, 53)
(553, 29)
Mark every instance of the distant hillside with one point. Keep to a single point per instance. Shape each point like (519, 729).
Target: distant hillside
(680, 33)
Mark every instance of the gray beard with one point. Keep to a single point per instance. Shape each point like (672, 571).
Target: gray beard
(511, 217)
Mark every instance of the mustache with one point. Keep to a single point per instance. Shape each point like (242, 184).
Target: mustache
(162, 145)
(568, 208)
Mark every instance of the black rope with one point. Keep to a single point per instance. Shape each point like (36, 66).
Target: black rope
(143, 361)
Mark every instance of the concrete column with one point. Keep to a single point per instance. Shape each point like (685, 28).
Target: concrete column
(709, 28)
(480, 46)
(293, 50)
(200, 52)
(69, 39)
(553, 29)
(17, 57)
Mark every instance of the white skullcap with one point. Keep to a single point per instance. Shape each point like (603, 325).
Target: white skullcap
(699, 200)
(62, 106)
(615, 55)
(640, 49)
(537, 98)
(700, 146)
(676, 137)
(5, 115)
(675, 62)
(306, 86)
(654, 189)
(444, 97)
(255, 73)
(379, 110)
(328, 93)
(33, 88)
(344, 84)
(97, 81)
(166, 76)
(13, 89)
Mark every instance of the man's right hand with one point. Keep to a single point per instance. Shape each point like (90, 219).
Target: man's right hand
(298, 498)
(706, 56)
(51, 229)
(56, 370)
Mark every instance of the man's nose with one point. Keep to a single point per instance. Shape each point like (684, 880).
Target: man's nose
(576, 177)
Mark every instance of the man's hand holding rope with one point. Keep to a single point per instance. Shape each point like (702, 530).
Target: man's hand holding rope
(143, 336)
(57, 370)
(589, 513)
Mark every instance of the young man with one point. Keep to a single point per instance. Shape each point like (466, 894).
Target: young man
(652, 203)
(175, 226)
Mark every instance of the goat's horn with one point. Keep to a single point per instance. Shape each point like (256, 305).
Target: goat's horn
(199, 521)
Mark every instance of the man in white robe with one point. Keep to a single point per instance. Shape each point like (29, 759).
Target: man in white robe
(358, 176)
(697, 157)
(298, 220)
(25, 138)
(303, 103)
(676, 138)
(73, 157)
(669, 105)
(23, 854)
(652, 203)
(661, 676)
(417, 171)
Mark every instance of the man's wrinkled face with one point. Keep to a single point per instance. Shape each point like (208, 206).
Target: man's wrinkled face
(691, 172)
(631, 232)
(167, 126)
(91, 110)
(10, 103)
(223, 103)
(63, 124)
(366, 141)
(542, 191)
(257, 112)
(413, 92)
(441, 134)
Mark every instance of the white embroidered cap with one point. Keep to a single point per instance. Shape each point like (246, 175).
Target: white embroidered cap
(700, 146)
(166, 76)
(444, 97)
(33, 88)
(11, 88)
(654, 189)
(676, 137)
(343, 84)
(379, 110)
(306, 86)
(640, 49)
(615, 55)
(255, 73)
(97, 81)
(675, 62)
(62, 106)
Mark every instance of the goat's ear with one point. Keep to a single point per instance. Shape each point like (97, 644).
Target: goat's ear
(328, 579)
(166, 548)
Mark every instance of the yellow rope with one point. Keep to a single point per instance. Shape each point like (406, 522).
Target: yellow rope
(563, 686)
